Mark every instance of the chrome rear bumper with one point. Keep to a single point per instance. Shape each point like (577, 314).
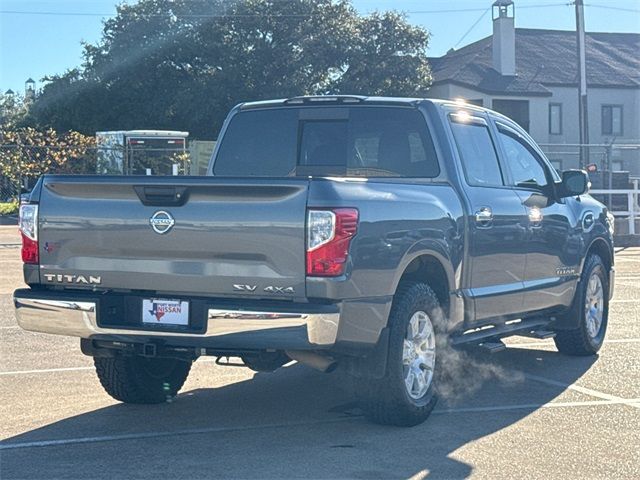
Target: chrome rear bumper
(225, 327)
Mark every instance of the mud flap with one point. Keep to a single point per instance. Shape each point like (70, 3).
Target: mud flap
(570, 319)
(374, 364)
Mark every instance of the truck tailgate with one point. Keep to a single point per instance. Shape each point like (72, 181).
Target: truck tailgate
(225, 236)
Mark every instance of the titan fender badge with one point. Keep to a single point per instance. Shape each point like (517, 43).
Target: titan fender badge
(161, 222)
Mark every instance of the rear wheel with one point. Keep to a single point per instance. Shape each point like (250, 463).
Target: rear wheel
(134, 379)
(405, 395)
(592, 309)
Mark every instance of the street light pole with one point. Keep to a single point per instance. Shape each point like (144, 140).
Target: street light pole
(583, 112)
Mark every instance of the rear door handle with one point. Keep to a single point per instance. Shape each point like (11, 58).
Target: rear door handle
(484, 216)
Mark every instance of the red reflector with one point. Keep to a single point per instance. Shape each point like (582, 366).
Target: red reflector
(29, 249)
(329, 259)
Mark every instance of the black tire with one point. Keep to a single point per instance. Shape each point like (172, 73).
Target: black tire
(386, 400)
(134, 379)
(579, 341)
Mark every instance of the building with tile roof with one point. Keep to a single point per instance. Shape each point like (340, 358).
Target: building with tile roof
(531, 75)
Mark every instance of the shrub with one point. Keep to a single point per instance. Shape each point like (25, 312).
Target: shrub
(9, 208)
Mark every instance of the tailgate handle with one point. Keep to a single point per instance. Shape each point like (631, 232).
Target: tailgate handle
(159, 196)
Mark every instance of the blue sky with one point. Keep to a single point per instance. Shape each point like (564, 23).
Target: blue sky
(35, 45)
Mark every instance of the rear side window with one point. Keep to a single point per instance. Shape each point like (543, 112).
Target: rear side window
(363, 142)
(478, 154)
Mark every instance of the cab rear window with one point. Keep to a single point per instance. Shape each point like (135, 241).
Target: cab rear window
(348, 141)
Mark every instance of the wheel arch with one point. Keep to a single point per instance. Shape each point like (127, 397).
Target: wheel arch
(603, 249)
(434, 268)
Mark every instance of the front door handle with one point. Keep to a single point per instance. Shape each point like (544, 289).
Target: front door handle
(484, 216)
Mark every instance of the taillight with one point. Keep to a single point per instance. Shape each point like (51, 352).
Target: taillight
(329, 233)
(29, 232)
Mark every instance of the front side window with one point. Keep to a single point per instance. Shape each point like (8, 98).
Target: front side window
(555, 119)
(612, 119)
(526, 170)
(363, 142)
(478, 154)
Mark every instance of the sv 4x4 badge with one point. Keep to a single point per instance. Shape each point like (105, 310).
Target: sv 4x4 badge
(269, 289)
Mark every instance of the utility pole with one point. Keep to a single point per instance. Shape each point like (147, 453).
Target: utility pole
(583, 112)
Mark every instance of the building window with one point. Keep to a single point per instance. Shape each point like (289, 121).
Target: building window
(555, 118)
(612, 120)
(476, 101)
(557, 164)
(516, 110)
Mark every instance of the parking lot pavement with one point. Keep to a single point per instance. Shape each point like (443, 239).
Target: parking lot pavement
(538, 414)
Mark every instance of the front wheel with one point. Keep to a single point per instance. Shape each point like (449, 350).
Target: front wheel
(134, 379)
(405, 395)
(591, 307)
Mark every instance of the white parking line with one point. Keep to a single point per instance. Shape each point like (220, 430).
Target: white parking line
(200, 431)
(46, 370)
(137, 436)
(70, 369)
(494, 408)
(541, 343)
(586, 391)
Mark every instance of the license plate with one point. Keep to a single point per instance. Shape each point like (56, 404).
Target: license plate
(160, 311)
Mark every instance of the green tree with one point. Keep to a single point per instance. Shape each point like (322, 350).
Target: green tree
(12, 110)
(388, 58)
(182, 64)
(27, 153)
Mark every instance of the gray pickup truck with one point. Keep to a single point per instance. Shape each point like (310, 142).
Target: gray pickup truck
(353, 232)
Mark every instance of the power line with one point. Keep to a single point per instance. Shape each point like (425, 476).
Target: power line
(222, 15)
(609, 7)
(472, 27)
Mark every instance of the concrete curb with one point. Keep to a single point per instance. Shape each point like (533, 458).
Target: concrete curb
(8, 220)
(626, 240)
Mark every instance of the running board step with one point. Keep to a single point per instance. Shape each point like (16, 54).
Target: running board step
(540, 334)
(490, 333)
(493, 346)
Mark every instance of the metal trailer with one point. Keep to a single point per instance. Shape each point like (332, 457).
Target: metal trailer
(142, 152)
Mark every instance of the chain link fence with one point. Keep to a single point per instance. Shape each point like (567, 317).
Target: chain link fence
(616, 165)
(21, 166)
(611, 167)
(613, 158)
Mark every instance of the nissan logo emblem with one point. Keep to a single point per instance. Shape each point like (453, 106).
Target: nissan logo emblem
(162, 222)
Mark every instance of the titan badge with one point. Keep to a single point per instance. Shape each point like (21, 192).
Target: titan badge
(77, 279)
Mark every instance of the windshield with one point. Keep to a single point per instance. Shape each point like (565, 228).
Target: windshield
(355, 141)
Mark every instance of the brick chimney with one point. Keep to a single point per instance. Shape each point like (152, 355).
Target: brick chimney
(504, 37)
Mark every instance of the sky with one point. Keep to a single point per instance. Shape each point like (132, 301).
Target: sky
(48, 40)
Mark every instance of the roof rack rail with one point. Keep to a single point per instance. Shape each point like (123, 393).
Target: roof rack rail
(322, 99)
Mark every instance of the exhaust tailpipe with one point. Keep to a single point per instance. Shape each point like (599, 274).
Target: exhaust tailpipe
(313, 360)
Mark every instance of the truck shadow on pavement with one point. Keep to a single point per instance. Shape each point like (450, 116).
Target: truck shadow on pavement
(290, 424)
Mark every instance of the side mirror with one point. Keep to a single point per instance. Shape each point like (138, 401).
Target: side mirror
(574, 183)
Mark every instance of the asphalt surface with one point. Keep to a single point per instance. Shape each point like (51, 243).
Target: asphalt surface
(528, 412)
